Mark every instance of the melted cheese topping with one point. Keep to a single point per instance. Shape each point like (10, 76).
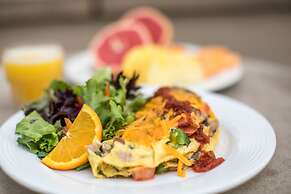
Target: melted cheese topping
(152, 126)
(149, 127)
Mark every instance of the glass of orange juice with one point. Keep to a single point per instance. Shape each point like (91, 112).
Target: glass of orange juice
(30, 69)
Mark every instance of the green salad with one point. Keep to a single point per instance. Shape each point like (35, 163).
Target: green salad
(115, 99)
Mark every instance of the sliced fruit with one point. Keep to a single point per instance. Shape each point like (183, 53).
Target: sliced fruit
(216, 59)
(71, 151)
(110, 45)
(160, 27)
(69, 123)
(139, 60)
(162, 65)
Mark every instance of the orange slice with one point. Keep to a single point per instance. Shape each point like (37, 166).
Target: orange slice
(216, 59)
(71, 150)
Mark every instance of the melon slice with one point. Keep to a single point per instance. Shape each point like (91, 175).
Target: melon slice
(112, 43)
(160, 27)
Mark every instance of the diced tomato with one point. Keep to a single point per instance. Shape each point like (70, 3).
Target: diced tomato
(143, 173)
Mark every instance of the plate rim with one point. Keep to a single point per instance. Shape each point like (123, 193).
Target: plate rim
(242, 179)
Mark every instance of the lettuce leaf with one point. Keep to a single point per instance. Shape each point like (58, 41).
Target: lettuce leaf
(37, 135)
(116, 110)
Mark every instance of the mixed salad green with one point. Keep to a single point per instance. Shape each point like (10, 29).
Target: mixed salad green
(114, 98)
(39, 136)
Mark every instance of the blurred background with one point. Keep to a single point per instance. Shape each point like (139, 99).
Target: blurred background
(256, 28)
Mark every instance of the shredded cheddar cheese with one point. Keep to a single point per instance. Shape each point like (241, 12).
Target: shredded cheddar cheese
(180, 169)
(151, 125)
(176, 154)
(149, 131)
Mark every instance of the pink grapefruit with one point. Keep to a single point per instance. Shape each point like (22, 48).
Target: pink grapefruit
(159, 26)
(111, 43)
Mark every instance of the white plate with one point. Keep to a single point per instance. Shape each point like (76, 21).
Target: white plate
(80, 67)
(247, 143)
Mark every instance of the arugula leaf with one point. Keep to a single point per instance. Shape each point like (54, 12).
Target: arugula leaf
(37, 135)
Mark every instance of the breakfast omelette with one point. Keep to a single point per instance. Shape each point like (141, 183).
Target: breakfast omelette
(174, 130)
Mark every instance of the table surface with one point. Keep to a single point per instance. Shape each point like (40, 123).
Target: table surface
(266, 86)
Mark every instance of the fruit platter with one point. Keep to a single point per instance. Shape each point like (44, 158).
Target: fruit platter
(143, 41)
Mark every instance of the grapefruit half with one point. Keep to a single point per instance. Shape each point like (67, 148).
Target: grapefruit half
(111, 43)
(159, 26)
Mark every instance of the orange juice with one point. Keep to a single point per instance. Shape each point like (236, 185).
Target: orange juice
(30, 69)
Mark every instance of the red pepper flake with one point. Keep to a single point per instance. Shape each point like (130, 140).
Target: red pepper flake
(207, 161)
(107, 90)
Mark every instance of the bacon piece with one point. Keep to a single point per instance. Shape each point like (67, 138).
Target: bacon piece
(206, 162)
(143, 173)
(185, 121)
(164, 91)
(200, 136)
(172, 103)
(189, 131)
(185, 107)
(187, 125)
(178, 106)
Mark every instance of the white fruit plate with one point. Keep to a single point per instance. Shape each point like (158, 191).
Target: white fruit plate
(80, 67)
(247, 143)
